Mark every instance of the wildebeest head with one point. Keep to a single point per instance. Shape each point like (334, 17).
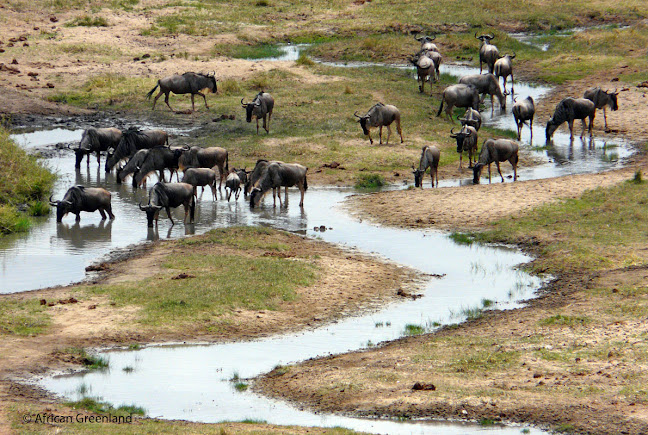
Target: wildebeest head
(477, 169)
(249, 108)
(550, 129)
(613, 99)
(485, 39)
(212, 83)
(363, 120)
(425, 38)
(418, 177)
(242, 174)
(63, 207)
(255, 197)
(152, 213)
(460, 137)
(79, 153)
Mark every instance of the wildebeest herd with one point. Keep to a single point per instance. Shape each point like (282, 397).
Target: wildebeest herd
(142, 152)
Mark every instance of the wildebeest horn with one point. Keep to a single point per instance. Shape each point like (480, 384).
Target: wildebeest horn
(491, 36)
(356, 114)
(476, 35)
(417, 37)
(242, 103)
(52, 202)
(452, 133)
(513, 56)
(140, 206)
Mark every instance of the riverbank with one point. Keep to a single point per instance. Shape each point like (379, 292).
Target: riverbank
(573, 359)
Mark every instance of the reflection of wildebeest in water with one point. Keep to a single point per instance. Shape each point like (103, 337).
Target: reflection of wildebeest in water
(523, 111)
(198, 157)
(168, 196)
(430, 156)
(157, 159)
(260, 108)
(602, 99)
(380, 115)
(466, 141)
(568, 110)
(187, 83)
(80, 237)
(95, 140)
(496, 150)
(277, 175)
(80, 198)
(134, 139)
(460, 95)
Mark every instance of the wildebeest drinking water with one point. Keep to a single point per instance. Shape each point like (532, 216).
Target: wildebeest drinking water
(496, 150)
(430, 156)
(380, 115)
(466, 141)
(134, 139)
(568, 110)
(187, 83)
(603, 99)
(80, 198)
(95, 140)
(277, 175)
(260, 108)
(168, 196)
(201, 177)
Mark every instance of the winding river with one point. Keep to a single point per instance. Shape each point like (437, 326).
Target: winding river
(192, 382)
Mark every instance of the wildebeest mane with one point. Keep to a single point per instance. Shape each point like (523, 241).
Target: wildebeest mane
(159, 194)
(74, 194)
(93, 139)
(563, 110)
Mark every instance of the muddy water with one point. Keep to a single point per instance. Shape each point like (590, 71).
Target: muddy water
(192, 382)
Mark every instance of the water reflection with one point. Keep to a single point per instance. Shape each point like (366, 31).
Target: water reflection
(80, 236)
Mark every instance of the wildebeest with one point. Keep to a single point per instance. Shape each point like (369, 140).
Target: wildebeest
(568, 110)
(256, 173)
(427, 63)
(496, 150)
(523, 111)
(95, 140)
(242, 175)
(167, 196)
(260, 107)
(157, 159)
(430, 156)
(504, 68)
(187, 83)
(460, 96)
(426, 43)
(134, 139)
(198, 157)
(133, 165)
(486, 84)
(380, 115)
(233, 184)
(466, 141)
(276, 175)
(201, 177)
(488, 53)
(472, 118)
(602, 99)
(80, 198)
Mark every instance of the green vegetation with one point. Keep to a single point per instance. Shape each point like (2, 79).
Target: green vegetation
(411, 329)
(23, 180)
(88, 21)
(23, 317)
(461, 238)
(240, 386)
(602, 229)
(369, 181)
(259, 51)
(562, 320)
(220, 282)
(97, 407)
(91, 362)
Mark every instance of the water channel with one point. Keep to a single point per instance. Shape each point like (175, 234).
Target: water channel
(191, 382)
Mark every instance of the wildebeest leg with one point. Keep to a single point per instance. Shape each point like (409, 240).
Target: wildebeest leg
(168, 210)
(584, 125)
(460, 159)
(399, 130)
(236, 195)
(110, 213)
(274, 199)
(519, 128)
(370, 139)
(591, 122)
(162, 176)
(257, 120)
(98, 158)
(78, 217)
(504, 89)
(571, 129)
(269, 118)
(514, 162)
(202, 190)
(380, 135)
(166, 100)
(265, 123)
(489, 174)
(286, 194)
(193, 108)
(213, 190)
(102, 213)
(388, 133)
(512, 91)
(301, 190)
(605, 118)
(158, 96)
(499, 170)
(204, 98)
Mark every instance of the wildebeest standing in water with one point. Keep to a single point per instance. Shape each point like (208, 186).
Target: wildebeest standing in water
(95, 140)
(260, 107)
(277, 175)
(233, 184)
(460, 95)
(133, 165)
(504, 68)
(133, 140)
(80, 198)
(568, 110)
(380, 115)
(496, 150)
(430, 156)
(157, 159)
(523, 111)
(603, 99)
(198, 157)
(255, 175)
(168, 196)
(466, 141)
(201, 177)
(486, 84)
(187, 83)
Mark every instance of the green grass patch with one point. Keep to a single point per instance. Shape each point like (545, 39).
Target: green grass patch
(370, 181)
(242, 238)
(411, 329)
(87, 21)
(258, 51)
(461, 238)
(240, 386)
(562, 320)
(23, 317)
(98, 407)
(39, 208)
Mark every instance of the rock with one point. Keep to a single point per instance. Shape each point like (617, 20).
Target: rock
(183, 276)
(53, 18)
(43, 302)
(14, 61)
(146, 56)
(322, 228)
(92, 307)
(50, 85)
(32, 74)
(421, 386)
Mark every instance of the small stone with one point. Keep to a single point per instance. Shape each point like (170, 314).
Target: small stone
(92, 307)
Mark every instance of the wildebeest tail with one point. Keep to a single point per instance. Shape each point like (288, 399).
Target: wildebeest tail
(305, 183)
(192, 208)
(227, 162)
(148, 96)
(441, 106)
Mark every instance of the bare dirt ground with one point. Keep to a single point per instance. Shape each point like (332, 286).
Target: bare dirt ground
(349, 284)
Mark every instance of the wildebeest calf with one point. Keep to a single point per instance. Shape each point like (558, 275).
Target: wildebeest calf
(523, 111)
(233, 184)
(466, 141)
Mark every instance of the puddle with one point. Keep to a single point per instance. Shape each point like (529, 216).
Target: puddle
(290, 52)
